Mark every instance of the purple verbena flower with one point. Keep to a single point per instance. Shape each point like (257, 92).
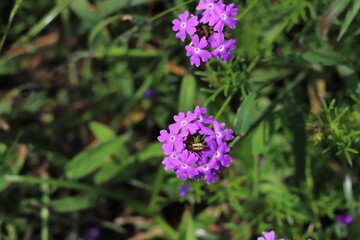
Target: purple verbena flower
(184, 25)
(92, 234)
(224, 18)
(149, 93)
(183, 165)
(210, 7)
(193, 148)
(173, 139)
(197, 51)
(345, 219)
(183, 190)
(269, 236)
(185, 122)
(222, 48)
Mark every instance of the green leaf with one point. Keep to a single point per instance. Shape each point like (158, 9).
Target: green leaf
(47, 19)
(106, 173)
(90, 159)
(186, 229)
(3, 148)
(260, 137)
(117, 51)
(323, 58)
(3, 183)
(82, 10)
(110, 6)
(69, 204)
(99, 26)
(245, 115)
(350, 15)
(187, 94)
(150, 151)
(102, 132)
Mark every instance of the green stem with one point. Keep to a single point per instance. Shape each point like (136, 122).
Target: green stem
(156, 189)
(166, 227)
(212, 97)
(248, 9)
(157, 16)
(133, 203)
(11, 18)
(256, 176)
(227, 101)
(44, 212)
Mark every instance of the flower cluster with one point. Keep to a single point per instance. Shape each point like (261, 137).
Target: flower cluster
(195, 146)
(271, 236)
(206, 30)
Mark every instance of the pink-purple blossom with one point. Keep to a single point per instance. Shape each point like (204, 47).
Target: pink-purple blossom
(345, 219)
(184, 25)
(271, 236)
(197, 51)
(196, 146)
(206, 30)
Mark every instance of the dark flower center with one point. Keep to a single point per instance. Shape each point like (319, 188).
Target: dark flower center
(195, 143)
(203, 29)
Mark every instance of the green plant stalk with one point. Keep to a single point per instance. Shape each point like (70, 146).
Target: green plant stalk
(227, 101)
(166, 227)
(49, 17)
(212, 97)
(256, 175)
(44, 212)
(247, 9)
(157, 16)
(156, 189)
(133, 203)
(11, 18)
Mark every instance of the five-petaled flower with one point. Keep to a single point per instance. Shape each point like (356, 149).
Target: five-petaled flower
(197, 51)
(184, 25)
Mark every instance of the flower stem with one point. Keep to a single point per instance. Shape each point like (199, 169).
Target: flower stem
(157, 16)
(227, 101)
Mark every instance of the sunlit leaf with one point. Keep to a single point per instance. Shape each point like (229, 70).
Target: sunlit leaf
(245, 115)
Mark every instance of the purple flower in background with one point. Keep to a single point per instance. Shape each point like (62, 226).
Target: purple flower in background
(184, 25)
(193, 148)
(91, 234)
(196, 51)
(183, 190)
(206, 30)
(149, 93)
(269, 236)
(345, 219)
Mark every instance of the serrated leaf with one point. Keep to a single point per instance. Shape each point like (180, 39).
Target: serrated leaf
(90, 159)
(102, 132)
(187, 94)
(69, 204)
(245, 115)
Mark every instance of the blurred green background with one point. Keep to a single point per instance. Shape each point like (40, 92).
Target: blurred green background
(86, 86)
